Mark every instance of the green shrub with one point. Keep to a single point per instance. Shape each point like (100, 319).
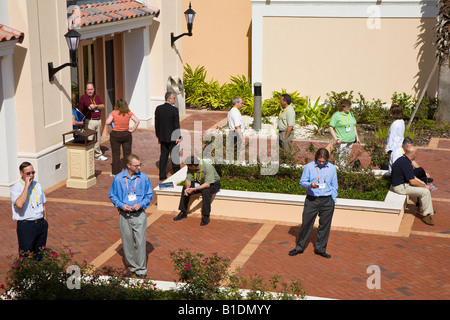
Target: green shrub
(352, 184)
(200, 277)
(210, 278)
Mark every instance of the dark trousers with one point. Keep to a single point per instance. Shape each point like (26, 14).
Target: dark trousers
(324, 207)
(32, 236)
(119, 139)
(207, 194)
(173, 149)
(234, 145)
(421, 174)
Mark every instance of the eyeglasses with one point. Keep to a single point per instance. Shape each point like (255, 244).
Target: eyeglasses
(136, 165)
(30, 172)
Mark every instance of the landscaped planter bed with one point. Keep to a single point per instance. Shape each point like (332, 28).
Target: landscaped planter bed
(277, 207)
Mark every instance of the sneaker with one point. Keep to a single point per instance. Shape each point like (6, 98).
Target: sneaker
(103, 158)
(428, 220)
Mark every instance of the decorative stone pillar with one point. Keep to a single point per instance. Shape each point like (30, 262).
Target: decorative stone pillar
(80, 157)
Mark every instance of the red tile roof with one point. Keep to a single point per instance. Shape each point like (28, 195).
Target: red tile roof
(108, 11)
(7, 33)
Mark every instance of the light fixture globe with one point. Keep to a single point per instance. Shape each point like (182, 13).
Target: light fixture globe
(190, 15)
(73, 40)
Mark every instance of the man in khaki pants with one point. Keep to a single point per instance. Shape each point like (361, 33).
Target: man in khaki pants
(404, 182)
(286, 122)
(91, 105)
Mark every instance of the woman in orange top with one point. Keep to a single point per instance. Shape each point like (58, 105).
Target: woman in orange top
(121, 134)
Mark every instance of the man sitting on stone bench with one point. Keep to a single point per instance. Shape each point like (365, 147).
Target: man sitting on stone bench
(201, 178)
(404, 182)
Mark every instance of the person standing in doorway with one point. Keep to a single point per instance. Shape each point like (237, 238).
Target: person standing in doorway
(91, 105)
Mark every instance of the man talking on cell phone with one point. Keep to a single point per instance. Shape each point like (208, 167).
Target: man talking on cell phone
(28, 209)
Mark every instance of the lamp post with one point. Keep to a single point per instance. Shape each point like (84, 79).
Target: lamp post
(73, 40)
(190, 15)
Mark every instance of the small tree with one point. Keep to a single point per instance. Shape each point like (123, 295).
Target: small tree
(443, 46)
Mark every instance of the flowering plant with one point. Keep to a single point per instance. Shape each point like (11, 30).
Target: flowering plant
(209, 278)
(42, 278)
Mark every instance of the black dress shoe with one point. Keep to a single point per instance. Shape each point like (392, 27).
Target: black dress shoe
(323, 254)
(181, 215)
(205, 220)
(295, 252)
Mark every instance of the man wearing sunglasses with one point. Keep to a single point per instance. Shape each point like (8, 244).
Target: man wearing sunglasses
(28, 209)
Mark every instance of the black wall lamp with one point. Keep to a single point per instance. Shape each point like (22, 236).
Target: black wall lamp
(190, 15)
(73, 40)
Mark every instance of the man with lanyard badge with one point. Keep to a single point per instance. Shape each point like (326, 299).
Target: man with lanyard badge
(91, 105)
(201, 178)
(131, 193)
(28, 208)
(319, 178)
(286, 122)
(237, 128)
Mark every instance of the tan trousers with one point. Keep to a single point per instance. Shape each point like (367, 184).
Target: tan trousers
(286, 143)
(95, 125)
(422, 193)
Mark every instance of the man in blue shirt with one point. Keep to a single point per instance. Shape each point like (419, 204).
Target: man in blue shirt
(320, 179)
(131, 193)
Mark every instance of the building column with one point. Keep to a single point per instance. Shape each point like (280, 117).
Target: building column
(8, 126)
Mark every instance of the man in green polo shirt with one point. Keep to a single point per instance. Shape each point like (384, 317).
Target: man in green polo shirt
(286, 122)
(202, 178)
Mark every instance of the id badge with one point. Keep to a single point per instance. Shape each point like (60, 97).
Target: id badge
(132, 197)
(196, 184)
(322, 185)
(347, 129)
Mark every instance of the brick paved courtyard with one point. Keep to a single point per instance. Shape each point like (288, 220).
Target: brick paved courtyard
(414, 262)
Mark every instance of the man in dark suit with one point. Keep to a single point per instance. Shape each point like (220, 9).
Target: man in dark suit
(167, 130)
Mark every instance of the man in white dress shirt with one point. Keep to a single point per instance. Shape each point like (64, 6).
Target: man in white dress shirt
(396, 135)
(28, 209)
(236, 126)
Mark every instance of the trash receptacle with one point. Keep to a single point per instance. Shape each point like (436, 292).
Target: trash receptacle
(80, 157)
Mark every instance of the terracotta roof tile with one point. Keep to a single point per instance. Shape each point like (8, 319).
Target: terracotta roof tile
(108, 11)
(7, 33)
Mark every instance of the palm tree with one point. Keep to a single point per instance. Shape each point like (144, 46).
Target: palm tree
(442, 113)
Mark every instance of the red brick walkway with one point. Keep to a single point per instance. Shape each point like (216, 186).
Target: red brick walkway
(414, 264)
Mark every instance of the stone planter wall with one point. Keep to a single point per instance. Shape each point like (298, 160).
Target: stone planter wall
(359, 214)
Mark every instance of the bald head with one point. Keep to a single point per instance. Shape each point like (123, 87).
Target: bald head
(410, 152)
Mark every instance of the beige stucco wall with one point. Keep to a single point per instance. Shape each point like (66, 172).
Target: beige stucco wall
(43, 108)
(221, 38)
(319, 55)
(166, 61)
